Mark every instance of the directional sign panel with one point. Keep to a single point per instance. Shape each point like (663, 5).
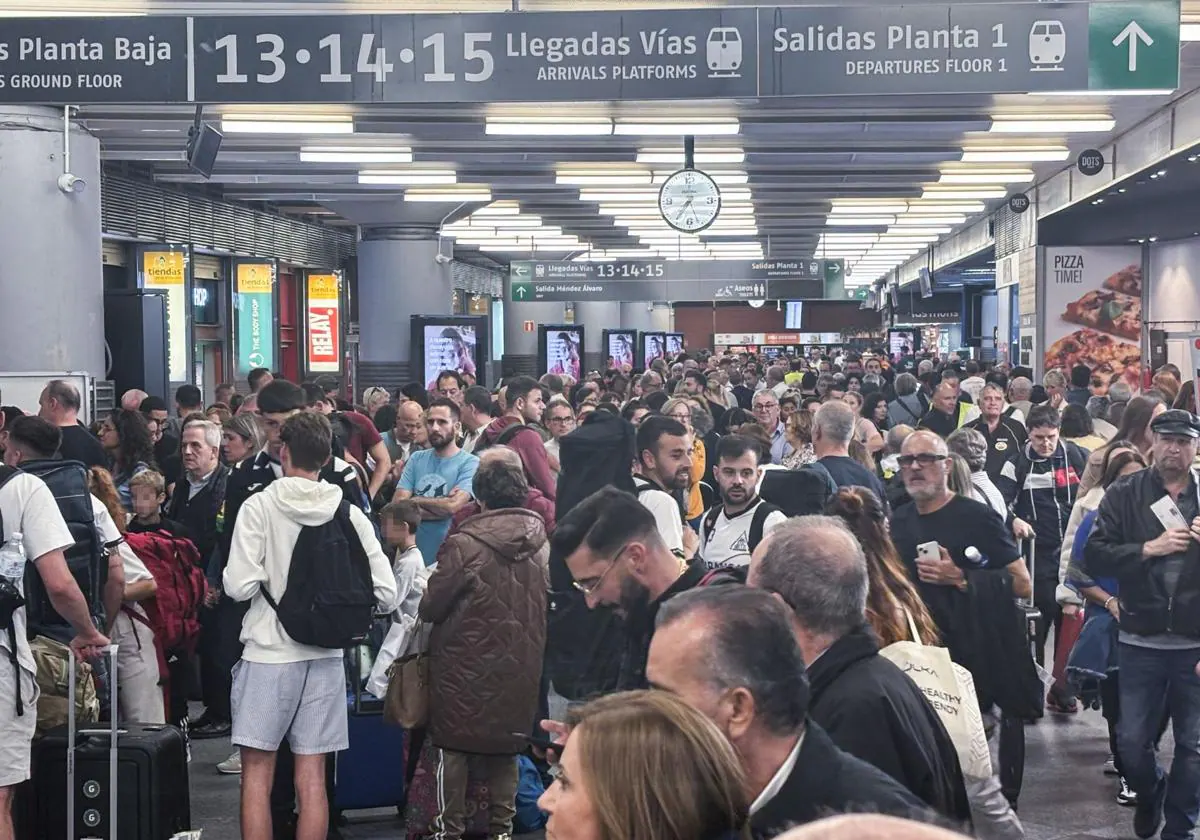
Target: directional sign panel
(594, 56)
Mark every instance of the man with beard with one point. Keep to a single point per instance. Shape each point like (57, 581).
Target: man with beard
(731, 531)
(617, 557)
(663, 470)
(438, 479)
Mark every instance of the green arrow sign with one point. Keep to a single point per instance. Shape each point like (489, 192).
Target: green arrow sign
(522, 290)
(1133, 46)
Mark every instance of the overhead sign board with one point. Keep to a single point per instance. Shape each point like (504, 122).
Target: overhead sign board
(707, 53)
(666, 280)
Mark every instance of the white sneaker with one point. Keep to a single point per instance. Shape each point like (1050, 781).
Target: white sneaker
(231, 766)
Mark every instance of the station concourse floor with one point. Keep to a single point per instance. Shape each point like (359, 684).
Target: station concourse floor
(1065, 796)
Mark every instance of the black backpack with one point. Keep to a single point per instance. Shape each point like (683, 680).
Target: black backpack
(86, 558)
(757, 521)
(801, 492)
(343, 430)
(329, 601)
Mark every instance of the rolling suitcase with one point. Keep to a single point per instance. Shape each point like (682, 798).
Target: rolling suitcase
(73, 773)
(370, 774)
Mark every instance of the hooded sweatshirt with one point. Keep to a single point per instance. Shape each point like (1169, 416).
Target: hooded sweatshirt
(1048, 488)
(526, 443)
(268, 526)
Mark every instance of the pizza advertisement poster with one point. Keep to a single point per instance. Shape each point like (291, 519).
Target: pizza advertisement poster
(1092, 310)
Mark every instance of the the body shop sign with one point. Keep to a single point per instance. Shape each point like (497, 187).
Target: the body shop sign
(323, 323)
(166, 270)
(255, 303)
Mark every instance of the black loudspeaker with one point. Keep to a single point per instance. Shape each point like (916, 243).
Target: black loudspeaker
(204, 142)
(135, 328)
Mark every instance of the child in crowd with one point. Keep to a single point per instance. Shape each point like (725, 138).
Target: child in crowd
(399, 521)
(148, 490)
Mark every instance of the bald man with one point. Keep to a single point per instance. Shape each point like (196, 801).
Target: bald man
(131, 400)
(868, 827)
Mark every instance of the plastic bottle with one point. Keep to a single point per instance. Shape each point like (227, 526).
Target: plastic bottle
(12, 560)
(974, 557)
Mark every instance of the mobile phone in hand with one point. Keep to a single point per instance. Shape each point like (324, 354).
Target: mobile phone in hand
(540, 742)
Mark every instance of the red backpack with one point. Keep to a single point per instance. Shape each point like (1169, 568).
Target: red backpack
(174, 611)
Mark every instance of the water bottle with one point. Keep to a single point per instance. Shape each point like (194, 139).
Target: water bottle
(12, 560)
(974, 557)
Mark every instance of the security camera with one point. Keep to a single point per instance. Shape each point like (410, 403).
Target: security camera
(442, 259)
(69, 183)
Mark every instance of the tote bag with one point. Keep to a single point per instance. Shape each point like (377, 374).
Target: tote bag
(950, 689)
(407, 701)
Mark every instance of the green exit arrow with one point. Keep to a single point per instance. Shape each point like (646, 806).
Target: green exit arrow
(522, 290)
(1133, 45)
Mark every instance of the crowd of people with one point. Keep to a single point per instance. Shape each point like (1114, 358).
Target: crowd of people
(712, 564)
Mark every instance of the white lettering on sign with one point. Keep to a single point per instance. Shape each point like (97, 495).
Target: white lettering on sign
(1068, 268)
(320, 331)
(148, 52)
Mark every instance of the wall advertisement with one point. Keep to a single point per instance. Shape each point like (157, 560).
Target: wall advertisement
(255, 304)
(1092, 310)
(323, 317)
(167, 271)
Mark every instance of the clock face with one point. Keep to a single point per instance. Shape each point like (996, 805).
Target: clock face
(689, 200)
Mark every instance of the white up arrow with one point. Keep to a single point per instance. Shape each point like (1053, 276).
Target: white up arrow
(1133, 33)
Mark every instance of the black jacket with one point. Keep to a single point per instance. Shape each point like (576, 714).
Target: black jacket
(639, 629)
(827, 781)
(1005, 446)
(1046, 493)
(199, 514)
(1124, 523)
(872, 710)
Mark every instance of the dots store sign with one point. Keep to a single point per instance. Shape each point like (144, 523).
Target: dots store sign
(323, 354)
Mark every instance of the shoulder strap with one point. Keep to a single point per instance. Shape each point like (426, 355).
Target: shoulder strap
(708, 523)
(759, 521)
(6, 474)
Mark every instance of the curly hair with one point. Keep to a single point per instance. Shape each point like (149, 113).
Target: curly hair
(137, 446)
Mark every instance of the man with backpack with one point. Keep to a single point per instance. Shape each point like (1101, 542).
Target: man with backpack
(525, 401)
(731, 530)
(314, 574)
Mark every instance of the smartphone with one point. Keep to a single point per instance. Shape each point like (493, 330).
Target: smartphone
(541, 742)
(928, 551)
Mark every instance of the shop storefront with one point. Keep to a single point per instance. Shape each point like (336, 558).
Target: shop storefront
(938, 319)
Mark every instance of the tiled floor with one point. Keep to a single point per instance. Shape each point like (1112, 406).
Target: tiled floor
(1065, 796)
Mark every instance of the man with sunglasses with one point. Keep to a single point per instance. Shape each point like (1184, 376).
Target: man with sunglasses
(617, 558)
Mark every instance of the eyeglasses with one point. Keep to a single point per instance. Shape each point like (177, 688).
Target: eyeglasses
(566, 419)
(766, 406)
(681, 416)
(923, 460)
(588, 588)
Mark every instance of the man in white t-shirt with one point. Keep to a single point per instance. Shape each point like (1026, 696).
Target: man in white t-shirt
(664, 466)
(28, 508)
(731, 531)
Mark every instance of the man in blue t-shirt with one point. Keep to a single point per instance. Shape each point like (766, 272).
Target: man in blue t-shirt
(438, 479)
(834, 426)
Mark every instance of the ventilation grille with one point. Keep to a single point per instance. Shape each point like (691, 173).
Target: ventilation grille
(1006, 232)
(518, 366)
(476, 280)
(390, 375)
(147, 211)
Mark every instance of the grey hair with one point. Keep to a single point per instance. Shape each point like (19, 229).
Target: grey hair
(817, 566)
(66, 394)
(906, 385)
(958, 478)
(212, 432)
(1054, 379)
(1097, 407)
(750, 645)
(924, 366)
(1021, 385)
(247, 427)
(836, 420)
(971, 445)
(1120, 392)
(897, 435)
(499, 483)
(993, 386)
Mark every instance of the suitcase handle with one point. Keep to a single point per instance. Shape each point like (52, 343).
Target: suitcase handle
(113, 732)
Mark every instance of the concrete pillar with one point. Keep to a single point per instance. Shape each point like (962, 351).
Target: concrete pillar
(399, 275)
(520, 347)
(51, 275)
(637, 315)
(595, 318)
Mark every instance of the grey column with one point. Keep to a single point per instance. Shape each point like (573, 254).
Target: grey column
(595, 318)
(398, 276)
(520, 347)
(636, 315)
(51, 275)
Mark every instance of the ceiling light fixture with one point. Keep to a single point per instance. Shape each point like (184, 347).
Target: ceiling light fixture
(952, 194)
(1015, 155)
(702, 157)
(859, 221)
(471, 194)
(840, 209)
(355, 154)
(680, 129)
(269, 124)
(997, 176)
(415, 177)
(1035, 124)
(938, 206)
(731, 178)
(1107, 93)
(629, 179)
(534, 127)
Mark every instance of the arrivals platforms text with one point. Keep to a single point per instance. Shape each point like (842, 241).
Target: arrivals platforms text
(707, 53)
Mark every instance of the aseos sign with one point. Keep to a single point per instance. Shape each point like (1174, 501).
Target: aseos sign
(324, 330)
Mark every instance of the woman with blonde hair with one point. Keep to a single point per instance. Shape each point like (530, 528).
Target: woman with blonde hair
(610, 789)
(891, 596)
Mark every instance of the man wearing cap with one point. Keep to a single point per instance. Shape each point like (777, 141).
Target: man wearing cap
(1147, 535)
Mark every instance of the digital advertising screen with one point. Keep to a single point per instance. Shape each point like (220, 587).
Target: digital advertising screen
(560, 350)
(674, 343)
(449, 343)
(620, 349)
(654, 346)
(903, 343)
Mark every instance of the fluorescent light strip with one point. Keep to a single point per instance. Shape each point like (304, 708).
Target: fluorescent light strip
(416, 177)
(448, 196)
(292, 125)
(353, 154)
(626, 180)
(532, 127)
(938, 206)
(1014, 155)
(1032, 124)
(1107, 93)
(1015, 176)
(679, 129)
(951, 194)
(721, 178)
(707, 157)
(908, 221)
(885, 207)
(859, 221)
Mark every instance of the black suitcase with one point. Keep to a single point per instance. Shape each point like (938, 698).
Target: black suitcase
(71, 776)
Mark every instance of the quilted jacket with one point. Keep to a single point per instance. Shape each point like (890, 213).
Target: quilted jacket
(487, 602)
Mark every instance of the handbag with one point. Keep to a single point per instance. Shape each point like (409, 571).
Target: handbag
(406, 703)
(950, 689)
